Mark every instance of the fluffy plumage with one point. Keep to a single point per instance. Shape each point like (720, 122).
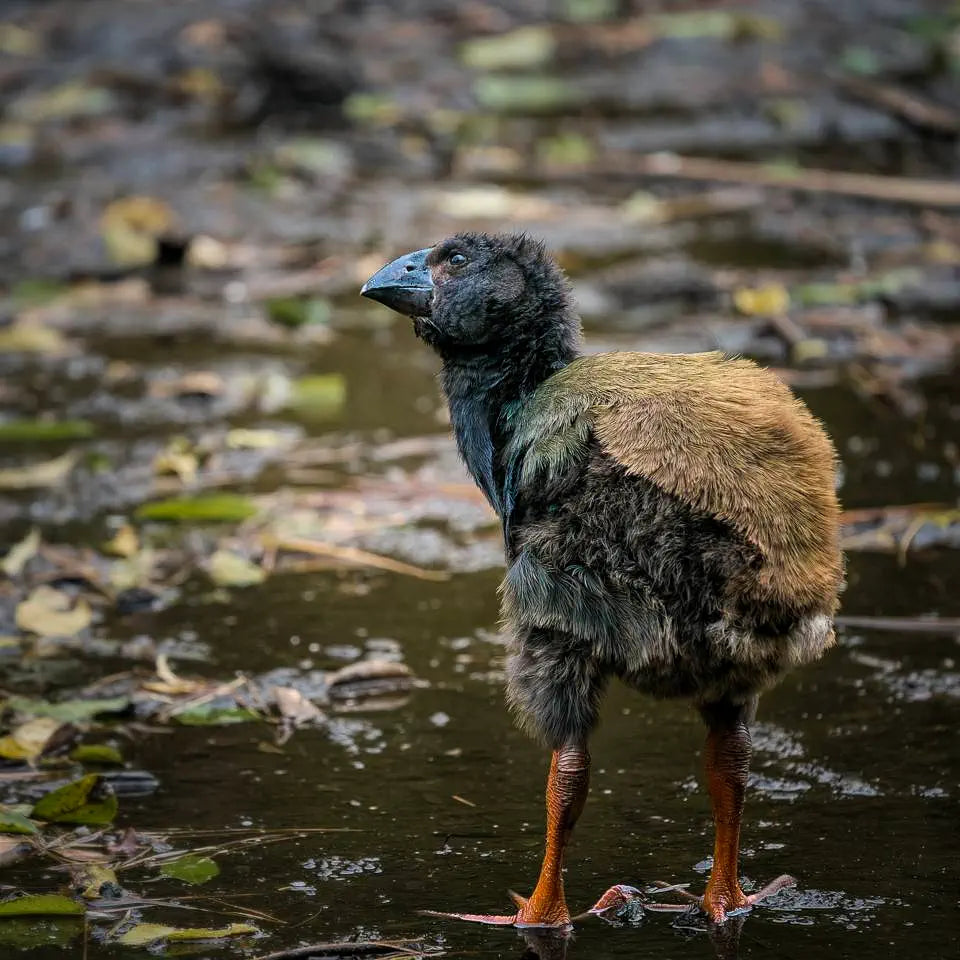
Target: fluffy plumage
(670, 520)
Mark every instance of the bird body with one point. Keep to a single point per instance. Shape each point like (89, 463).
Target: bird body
(668, 520)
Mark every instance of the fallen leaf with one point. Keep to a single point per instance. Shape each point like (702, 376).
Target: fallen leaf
(47, 473)
(13, 822)
(294, 312)
(20, 553)
(207, 715)
(101, 753)
(47, 612)
(525, 47)
(518, 93)
(26, 336)
(229, 569)
(124, 543)
(191, 869)
(242, 438)
(68, 711)
(319, 396)
(146, 933)
(41, 905)
(89, 800)
(206, 508)
(767, 301)
(41, 431)
(27, 741)
(91, 880)
(177, 459)
(130, 227)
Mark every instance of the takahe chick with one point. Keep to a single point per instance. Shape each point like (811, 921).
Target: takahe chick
(668, 520)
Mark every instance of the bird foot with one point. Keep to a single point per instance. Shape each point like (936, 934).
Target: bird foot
(720, 904)
(626, 902)
(554, 915)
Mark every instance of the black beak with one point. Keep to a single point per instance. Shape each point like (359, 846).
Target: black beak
(404, 285)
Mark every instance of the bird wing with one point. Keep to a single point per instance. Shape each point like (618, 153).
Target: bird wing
(721, 434)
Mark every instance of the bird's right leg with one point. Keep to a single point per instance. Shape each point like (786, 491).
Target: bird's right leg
(555, 693)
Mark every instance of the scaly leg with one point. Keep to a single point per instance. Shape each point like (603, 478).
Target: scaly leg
(567, 788)
(727, 761)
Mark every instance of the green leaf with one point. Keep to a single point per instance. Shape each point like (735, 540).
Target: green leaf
(13, 822)
(39, 431)
(525, 94)
(206, 508)
(89, 800)
(525, 47)
(68, 711)
(206, 715)
(41, 904)
(191, 869)
(96, 753)
(146, 933)
(296, 312)
(323, 395)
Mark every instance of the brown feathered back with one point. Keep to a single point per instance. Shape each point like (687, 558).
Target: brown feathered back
(728, 437)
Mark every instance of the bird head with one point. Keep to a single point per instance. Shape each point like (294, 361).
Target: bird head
(478, 291)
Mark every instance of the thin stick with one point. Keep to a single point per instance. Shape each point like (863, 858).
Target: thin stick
(925, 193)
(357, 556)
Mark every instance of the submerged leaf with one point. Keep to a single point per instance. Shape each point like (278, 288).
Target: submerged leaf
(229, 569)
(525, 47)
(39, 431)
(93, 878)
(89, 800)
(191, 869)
(146, 933)
(206, 508)
(41, 904)
(207, 715)
(13, 822)
(47, 473)
(29, 337)
(47, 613)
(68, 711)
(323, 395)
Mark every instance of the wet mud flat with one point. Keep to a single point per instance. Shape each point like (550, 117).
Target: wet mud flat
(250, 663)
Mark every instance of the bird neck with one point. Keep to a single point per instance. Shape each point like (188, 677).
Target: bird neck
(484, 388)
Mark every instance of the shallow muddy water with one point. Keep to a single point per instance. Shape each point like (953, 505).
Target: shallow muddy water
(436, 802)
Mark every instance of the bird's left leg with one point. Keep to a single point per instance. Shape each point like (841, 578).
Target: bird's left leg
(727, 761)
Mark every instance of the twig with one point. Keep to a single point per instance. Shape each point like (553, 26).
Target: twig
(902, 103)
(948, 625)
(925, 193)
(359, 948)
(357, 556)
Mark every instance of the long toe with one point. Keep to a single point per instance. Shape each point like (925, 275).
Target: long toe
(774, 886)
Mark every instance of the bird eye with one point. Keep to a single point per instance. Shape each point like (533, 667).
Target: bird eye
(457, 260)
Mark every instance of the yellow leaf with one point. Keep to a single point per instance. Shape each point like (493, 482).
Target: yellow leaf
(28, 740)
(124, 543)
(767, 301)
(20, 553)
(47, 613)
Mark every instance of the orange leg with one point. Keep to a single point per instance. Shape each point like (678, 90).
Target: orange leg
(567, 788)
(727, 761)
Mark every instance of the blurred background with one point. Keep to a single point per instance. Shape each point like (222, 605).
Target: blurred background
(249, 651)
